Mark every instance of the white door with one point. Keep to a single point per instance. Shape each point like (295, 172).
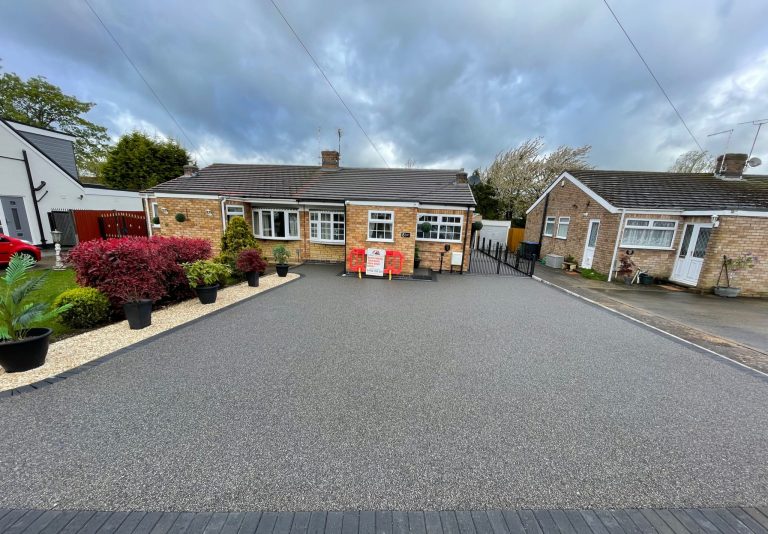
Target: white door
(589, 246)
(690, 256)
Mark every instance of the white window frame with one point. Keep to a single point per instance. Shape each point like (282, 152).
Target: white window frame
(391, 222)
(259, 211)
(440, 222)
(234, 211)
(560, 224)
(155, 211)
(318, 224)
(552, 230)
(628, 224)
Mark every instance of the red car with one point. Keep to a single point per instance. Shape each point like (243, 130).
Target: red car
(10, 246)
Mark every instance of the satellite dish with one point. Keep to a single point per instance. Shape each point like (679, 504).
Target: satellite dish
(754, 162)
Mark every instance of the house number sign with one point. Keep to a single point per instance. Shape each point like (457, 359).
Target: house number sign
(405, 234)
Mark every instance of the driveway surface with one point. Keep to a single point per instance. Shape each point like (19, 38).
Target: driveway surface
(337, 393)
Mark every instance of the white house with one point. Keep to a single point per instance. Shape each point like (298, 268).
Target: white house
(38, 175)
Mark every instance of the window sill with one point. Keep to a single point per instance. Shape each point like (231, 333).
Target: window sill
(380, 240)
(438, 240)
(562, 238)
(547, 235)
(326, 242)
(639, 247)
(278, 238)
(155, 226)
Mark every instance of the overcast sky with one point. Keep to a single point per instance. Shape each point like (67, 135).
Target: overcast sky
(445, 83)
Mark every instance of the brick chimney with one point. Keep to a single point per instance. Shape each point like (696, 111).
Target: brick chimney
(731, 165)
(461, 178)
(330, 159)
(190, 170)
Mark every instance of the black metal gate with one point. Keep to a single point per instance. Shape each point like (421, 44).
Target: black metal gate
(489, 257)
(63, 221)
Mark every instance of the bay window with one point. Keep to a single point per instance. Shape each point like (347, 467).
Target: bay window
(381, 225)
(278, 223)
(648, 233)
(444, 227)
(326, 226)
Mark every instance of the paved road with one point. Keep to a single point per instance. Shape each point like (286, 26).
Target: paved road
(338, 393)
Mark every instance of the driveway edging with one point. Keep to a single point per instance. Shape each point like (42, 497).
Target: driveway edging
(656, 329)
(34, 386)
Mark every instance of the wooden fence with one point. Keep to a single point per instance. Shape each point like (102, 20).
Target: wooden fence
(515, 237)
(97, 224)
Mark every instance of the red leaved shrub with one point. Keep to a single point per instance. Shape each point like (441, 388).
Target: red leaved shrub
(133, 268)
(250, 260)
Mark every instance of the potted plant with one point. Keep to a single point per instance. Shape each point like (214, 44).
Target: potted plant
(732, 266)
(477, 226)
(281, 255)
(137, 308)
(249, 261)
(204, 277)
(23, 346)
(416, 258)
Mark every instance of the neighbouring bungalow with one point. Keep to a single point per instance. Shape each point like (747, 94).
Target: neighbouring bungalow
(678, 225)
(321, 213)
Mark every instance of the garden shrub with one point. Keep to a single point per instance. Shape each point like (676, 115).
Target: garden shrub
(89, 307)
(132, 268)
(250, 260)
(238, 237)
(206, 273)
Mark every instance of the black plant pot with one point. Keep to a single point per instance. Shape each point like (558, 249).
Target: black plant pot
(416, 263)
(27, 353)
(138, 313)
(207, 294)
(253, 278)
(282, 269)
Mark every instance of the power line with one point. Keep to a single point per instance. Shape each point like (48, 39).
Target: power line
(329, 83)
(679, 116)
(136, 68)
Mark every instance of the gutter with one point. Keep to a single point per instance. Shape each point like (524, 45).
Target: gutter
(34, 198)
(616, 245)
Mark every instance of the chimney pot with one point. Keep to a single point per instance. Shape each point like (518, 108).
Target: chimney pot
(190, 170)
(330, 159)
(461, 177)
(731, 165)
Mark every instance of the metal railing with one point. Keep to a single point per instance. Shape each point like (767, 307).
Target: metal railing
(489, 257)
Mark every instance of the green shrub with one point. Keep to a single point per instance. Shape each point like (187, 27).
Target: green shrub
(238, 237)
(89, 307)
(593, 275)
(180, 217)
(281, 254)
(206, 273)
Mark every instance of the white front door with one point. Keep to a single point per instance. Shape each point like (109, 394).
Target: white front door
(589, 246)
(690, 256)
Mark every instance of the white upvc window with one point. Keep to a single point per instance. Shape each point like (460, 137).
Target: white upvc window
(326, 226)
(649, 233)
(270, 223)
(155, 214)
(234, 211)
(444, 227)
(549, 227)
(381, 225)
(562, 227)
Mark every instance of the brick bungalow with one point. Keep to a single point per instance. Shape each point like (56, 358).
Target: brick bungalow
(678, 225)
(322, 212)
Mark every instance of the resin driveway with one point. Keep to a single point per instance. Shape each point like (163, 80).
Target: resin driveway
(337, 393)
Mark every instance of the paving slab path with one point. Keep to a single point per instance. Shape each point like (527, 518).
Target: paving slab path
(334, 393)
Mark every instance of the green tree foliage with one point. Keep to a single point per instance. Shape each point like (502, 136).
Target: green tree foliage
(139, 161)
(37, 102)
(521, 174)
(488, 204)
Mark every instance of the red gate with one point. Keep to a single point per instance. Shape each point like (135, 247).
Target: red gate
(97, 224)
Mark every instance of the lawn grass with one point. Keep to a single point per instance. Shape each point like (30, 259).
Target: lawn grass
(593, 275)
(56, 283)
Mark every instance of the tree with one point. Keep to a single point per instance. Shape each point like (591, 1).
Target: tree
(138, 161)
(521, 174)
(37, 102)
(694, 161)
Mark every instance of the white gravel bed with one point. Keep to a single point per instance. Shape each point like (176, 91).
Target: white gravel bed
(82, 348)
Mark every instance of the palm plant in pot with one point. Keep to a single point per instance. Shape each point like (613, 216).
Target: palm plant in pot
(23, 345)
(205, 277)
(281, 255)
(249, 261)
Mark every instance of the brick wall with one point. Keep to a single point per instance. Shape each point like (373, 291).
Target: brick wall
(405, 221)
(736, 236)
(197, 224)
(429, 251)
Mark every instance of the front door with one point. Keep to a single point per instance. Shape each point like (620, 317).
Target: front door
(690, 256)
(589, 247)
(16, 224)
